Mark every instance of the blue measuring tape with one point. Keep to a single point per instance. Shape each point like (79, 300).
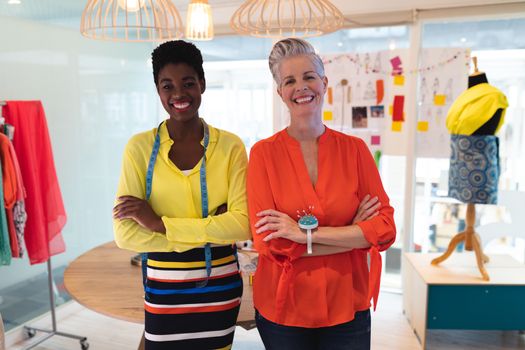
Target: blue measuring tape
(204, 198)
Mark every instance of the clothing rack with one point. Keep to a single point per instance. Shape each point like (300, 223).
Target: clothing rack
(29, 331)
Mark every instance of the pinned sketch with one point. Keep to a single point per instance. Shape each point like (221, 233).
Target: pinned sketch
(367, 62)
(328, 115)
(448, 90)
(380, 89)
(396, 62)
(375, 140)
(422, 126)
(377, 65)
(398, 114)
(359, 117)
(423, 91)
(370, 93)
(341, 85)
(357, 89)
(357, 64)
(397, 126)
(440, 84)
(396, 66)
(377, 111)
(439, 115)
(399, 80)
(439, 100)
(435, 87)
(330, 95)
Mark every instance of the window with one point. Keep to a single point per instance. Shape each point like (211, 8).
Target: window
(500, 48)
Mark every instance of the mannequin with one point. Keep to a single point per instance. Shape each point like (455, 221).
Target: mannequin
(484, 131)
(489, 128)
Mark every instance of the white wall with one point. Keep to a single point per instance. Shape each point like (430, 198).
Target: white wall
(96, 95)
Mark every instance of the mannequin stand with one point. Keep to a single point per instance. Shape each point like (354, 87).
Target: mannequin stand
(472, 242)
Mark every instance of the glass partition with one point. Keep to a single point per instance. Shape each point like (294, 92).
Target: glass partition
(500, 49)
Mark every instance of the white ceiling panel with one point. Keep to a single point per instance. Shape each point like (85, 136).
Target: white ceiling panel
(68, 12)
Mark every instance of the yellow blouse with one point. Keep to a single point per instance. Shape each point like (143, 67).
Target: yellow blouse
(177, 197)
(474, 107)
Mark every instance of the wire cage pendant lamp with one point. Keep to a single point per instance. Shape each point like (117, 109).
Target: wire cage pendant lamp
(280, 18)
(131, 20)
(199, 21)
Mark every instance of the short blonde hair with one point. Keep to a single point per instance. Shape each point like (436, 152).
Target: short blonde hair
(292, 47)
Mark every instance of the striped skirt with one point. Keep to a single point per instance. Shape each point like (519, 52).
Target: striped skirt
(180, 313)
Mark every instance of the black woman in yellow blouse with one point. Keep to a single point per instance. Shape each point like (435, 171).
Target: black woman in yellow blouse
(181, 200)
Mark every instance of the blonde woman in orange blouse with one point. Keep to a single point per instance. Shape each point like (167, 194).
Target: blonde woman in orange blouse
(312, 288)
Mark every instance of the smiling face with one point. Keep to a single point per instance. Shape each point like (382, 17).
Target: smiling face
(180, 90)
(301, 87)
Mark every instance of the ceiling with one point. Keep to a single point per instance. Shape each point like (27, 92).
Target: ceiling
(68, 12)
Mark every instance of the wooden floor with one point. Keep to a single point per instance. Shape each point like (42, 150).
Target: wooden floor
(390, 331)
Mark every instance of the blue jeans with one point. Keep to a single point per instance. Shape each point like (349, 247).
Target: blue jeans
(353, 335)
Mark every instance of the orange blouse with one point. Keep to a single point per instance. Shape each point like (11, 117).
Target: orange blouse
(317, 291)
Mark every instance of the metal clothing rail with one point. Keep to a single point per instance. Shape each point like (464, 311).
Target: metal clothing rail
(31, 331)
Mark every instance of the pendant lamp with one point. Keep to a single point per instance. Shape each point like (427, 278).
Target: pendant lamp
(131, 20)
(199, 21)
(284, 18)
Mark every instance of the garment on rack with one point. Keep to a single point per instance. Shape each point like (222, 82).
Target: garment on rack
(5, 248)
(10, 187)
(19, 210)
(9, 131)
(44, 205)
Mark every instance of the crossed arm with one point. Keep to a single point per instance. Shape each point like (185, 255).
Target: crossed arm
(139, 227)
(326, 240)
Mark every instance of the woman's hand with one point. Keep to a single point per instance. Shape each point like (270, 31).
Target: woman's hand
(221, 209)
(368, 208)
(139, 210)
(282, 224)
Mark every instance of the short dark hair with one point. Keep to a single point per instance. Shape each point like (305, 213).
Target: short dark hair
(176, 51)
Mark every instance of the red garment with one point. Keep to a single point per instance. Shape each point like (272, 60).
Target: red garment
(317, 291)
(21, 190)
(10, 191)
(46, 215)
